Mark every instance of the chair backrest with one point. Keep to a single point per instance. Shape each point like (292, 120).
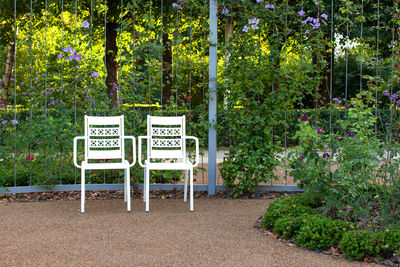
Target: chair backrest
(166, 137)
(104, 137)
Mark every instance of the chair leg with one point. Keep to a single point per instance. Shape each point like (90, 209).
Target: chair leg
(147, 189)
(144, 185)
(128, 188)
(83, 193)
(125, 186)
(185, 186)
(191, 190)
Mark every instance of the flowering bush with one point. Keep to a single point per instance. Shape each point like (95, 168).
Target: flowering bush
(351, 169)
(256, 78)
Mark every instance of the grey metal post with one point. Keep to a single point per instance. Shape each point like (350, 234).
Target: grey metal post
(212, 101)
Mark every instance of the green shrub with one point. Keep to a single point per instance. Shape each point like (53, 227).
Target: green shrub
(318, 232)
(391, 243)
(288, 226)
(358, 244)
(291, 206)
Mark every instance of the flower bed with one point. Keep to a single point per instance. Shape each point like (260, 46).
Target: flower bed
(297, 219)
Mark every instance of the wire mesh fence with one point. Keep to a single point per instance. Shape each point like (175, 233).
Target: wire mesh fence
(151, 57)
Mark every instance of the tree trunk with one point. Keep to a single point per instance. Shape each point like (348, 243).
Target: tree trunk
(167, 69)
(4, 84)
(111, 63)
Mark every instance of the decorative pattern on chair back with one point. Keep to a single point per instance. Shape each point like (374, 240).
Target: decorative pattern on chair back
(166, 137)
(104, 137)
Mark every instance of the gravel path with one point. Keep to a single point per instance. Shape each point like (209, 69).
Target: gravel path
(219, 232)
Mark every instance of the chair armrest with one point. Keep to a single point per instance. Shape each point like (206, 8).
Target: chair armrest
(140, 150)
(133, 149)
(75, 150)
(197, 149)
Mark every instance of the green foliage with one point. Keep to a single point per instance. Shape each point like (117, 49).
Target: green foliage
(320, 233)
(345, 167)
(255, 87)
(358, 244)
(291, 206)
(289, 226)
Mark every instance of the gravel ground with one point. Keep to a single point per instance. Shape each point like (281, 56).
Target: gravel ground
(220, 232)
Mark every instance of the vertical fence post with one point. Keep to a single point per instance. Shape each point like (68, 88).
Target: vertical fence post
(212, 107)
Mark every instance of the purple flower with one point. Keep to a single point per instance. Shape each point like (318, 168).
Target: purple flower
(398, 135)
(12, 80)
(225, 11)
(59, 56)
(87, 90)
(352, 133)
(319, 130)
(394, 97)
(67, 49)
(304, 118)
(78, 57)
(260, 1)
(23, 93)
(337, 100)
(95, 74)
(307, 32)
(326, 147)
(22, 83)
(178, 6)
(270, 6)
(324, 16)
(14, 122)
(245, 28)
(254, 21)
(316, 24)
(386, 92)
(326, 155)
(254, 26)
(398, 102)
(71, 57)
(4, 122)
(85, 24)
(301, 13)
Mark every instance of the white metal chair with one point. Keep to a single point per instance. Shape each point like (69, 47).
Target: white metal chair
(104, 139)
(166, 150)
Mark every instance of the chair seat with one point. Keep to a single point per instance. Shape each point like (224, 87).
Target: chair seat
(105, 165)
(169, 165)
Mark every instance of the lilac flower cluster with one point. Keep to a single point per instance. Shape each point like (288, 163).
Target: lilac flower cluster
(95, 74)
(15, 122)
(85, 24)
(270, 6)
(337, 100)
(72, 54)
(260, 1)
(253, 23)
(394, 97)
(225, 10)
(314, 22)
(48, 91)
(177, 5)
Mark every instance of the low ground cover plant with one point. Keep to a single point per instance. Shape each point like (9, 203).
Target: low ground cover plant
(293, 219)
